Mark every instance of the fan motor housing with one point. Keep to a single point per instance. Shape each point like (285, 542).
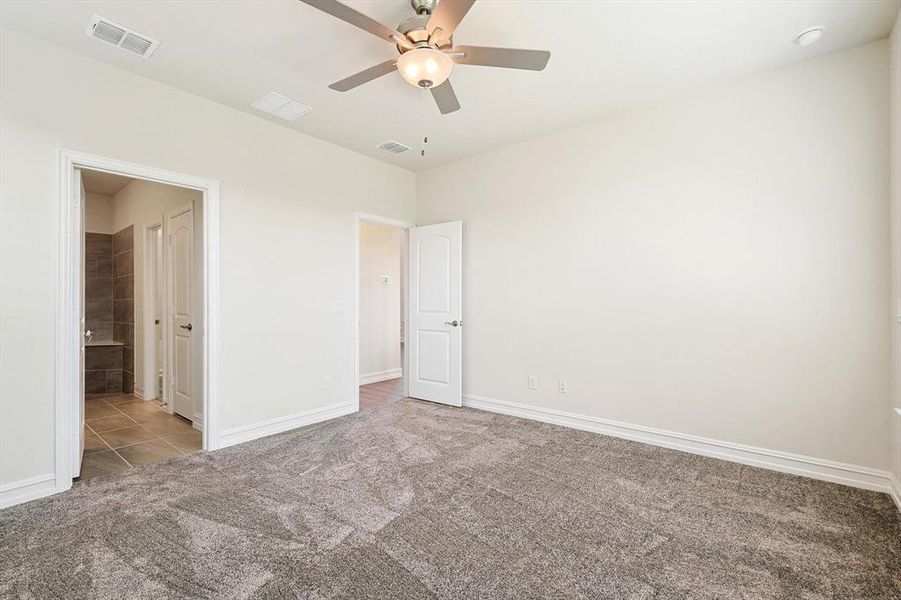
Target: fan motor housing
(415, 30)
(423, 6)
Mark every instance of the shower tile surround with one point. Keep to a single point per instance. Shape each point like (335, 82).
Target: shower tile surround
(123, 280)
(109, 312)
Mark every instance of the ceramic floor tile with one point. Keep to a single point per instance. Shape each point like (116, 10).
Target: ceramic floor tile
(93, 442)
(120, 398)
(127, 436)
(187, 442)
(140, 409)
(95, 410)
(167, 425)
(117, 421)
(148, 452)
(106, 462)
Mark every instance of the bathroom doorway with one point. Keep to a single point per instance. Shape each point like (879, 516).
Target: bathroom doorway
(105, 405)
(141, 361)
(381, 311)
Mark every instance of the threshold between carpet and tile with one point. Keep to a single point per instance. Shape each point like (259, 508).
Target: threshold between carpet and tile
(407, 499)
(122, 431)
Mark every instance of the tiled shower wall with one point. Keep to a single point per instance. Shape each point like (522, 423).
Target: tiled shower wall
(124, 302)
(103, 363)
(98, 285)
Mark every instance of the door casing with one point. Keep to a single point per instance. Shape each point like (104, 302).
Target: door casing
(153, 309)
(68, 307)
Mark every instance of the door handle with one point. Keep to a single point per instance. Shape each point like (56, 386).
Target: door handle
(454, 323)
(188, 327)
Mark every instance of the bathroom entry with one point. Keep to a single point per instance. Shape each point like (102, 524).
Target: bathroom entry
(382, 292)
(142, 356)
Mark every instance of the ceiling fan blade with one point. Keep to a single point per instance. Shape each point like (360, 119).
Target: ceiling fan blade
(447, 15)
(445, 98)
(349, 83)
(506, 58)
(349, 15)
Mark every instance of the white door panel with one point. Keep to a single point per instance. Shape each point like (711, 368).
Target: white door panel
(80, 200)
(436, 313)
(181, 245)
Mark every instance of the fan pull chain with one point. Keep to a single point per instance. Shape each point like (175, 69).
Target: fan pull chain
(425, 123)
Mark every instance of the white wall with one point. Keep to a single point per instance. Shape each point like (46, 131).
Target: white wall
(139, 204)
(287, 226)
(895, 314)
(98, 213)
(380, 305)
(715, 265)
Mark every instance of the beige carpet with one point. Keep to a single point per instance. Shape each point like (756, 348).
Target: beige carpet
(414, 500)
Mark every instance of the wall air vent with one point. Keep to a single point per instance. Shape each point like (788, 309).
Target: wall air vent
(120, 36)
(281, 106)
(393, 147)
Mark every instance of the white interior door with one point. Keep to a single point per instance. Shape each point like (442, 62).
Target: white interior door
(436, 313)
(85, 334)
(181, 249)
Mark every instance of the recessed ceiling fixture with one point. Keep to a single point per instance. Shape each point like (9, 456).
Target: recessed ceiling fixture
(281, 106)
(810, 36)
(426, 46)
(121, 36)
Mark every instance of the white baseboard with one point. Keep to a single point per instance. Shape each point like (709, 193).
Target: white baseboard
(895, 491)
(139, 393)
(797, 464)
(32, 488)
(197, 421)
(246, 433)
(381, 376)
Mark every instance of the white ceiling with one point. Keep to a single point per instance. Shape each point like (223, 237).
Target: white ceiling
(107, 184)
(605, 56)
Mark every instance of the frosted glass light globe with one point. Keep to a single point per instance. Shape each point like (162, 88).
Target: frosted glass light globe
(425, 67)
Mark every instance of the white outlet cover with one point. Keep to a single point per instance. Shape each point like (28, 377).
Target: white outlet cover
(327, 382)
(385, 279)
(563, 386)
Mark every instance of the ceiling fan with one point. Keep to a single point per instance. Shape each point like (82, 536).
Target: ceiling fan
(427, 54)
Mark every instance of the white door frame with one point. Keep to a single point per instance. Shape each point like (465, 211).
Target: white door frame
(360, 218)
(152, 291)
(68, 305)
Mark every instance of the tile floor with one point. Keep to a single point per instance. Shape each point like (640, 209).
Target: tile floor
(121, 432)
(374, 395)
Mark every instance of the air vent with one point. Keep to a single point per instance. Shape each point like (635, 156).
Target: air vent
(393, 147)
(123, 37)
(281, 106)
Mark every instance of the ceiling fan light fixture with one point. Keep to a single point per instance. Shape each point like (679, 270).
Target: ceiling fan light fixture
(425, 67)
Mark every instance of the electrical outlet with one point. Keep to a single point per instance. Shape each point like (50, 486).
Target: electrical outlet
(562, 386)
(327, 382)
(533, 382)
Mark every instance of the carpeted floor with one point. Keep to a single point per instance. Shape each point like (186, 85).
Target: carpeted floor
(415, 500)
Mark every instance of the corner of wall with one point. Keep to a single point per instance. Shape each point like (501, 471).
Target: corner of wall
(895, 207)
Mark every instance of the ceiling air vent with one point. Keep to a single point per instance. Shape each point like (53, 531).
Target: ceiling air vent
(123, 37)
(281, 106)
(393, 147)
